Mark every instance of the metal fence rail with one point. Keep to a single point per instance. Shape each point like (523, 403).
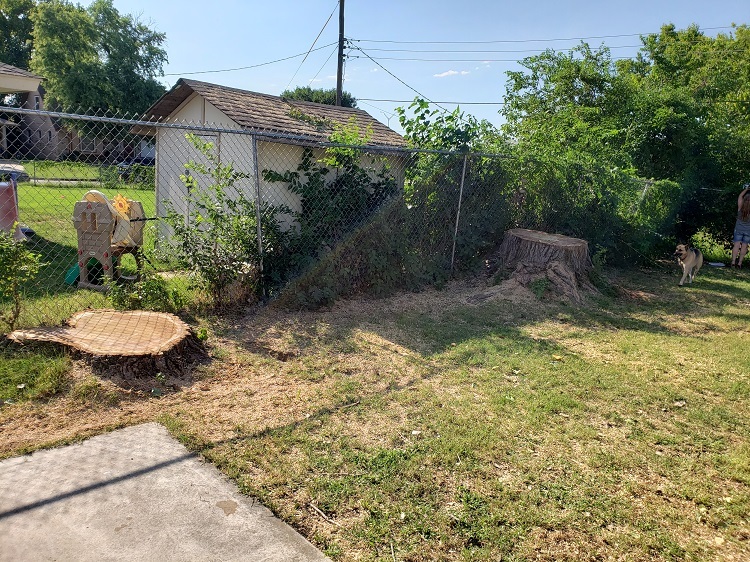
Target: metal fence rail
(169, 216)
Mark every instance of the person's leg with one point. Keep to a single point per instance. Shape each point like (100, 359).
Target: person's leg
(735, 252)
(743, 251)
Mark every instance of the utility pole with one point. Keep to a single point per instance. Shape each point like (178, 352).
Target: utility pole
(340, 70)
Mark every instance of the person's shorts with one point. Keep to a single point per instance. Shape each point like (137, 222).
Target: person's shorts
(741, 237)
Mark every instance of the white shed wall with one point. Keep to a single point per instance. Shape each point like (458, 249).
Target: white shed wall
(174, 151)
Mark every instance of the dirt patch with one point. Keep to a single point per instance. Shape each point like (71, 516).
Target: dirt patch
(265, 373)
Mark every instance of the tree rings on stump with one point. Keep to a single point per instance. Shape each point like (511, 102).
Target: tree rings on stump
(138, 341)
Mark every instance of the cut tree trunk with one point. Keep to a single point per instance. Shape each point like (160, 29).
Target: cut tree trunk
(129, 343)
(533, 255)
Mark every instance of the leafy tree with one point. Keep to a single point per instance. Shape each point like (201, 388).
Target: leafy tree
(319, 95)
(564, 107)
(436, 180)
(676, 115)
(132, 56)
(96, 58)
(15, 32)
(435, 129)
(690, 98)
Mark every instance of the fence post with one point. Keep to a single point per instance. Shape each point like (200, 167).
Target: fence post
(458, 211)
(256, 173)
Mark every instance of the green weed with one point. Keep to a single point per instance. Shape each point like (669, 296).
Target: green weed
(27, 375)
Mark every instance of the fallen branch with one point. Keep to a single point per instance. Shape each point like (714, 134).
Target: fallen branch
(323, 515)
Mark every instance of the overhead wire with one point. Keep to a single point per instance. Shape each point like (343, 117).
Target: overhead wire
(496, 41)
(480, 50)
(491, 42)
(323, 65)
(399, 79)
(313, 45)
(483, 59)
(354, 46)
(435, 102)
(250, 66)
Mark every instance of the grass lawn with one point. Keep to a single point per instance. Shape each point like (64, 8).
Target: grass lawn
(472, 423)
(48, 210)
(63, 170)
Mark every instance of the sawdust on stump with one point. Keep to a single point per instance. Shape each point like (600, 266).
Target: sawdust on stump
(533, 255)
(134, 342)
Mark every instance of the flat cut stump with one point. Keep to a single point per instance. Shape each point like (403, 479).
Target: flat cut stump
(134, 340)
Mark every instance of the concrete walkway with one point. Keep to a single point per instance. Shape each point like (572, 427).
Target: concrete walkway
(134, 494)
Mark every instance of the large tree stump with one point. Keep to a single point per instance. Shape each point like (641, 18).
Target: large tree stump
(130, 343)
(533, 255)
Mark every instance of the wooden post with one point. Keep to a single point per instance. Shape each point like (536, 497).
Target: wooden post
(340, 68)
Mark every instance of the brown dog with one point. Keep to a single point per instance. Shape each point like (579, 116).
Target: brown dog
(690, 259)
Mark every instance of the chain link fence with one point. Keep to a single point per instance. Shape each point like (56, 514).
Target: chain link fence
(135, 214)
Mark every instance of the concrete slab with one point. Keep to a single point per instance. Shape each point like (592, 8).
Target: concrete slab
(134, 494)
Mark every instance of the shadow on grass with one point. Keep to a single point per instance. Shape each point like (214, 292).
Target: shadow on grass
(661, 301)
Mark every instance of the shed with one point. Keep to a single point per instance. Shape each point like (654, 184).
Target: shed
(283, 128)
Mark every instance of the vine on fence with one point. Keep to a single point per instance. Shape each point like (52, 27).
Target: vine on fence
(339, 195)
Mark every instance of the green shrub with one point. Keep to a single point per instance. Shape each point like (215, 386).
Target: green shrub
(18, 266)
(219, 240)
(150, 292)
(713, 248)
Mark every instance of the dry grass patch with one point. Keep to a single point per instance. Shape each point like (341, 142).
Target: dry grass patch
(473, 423)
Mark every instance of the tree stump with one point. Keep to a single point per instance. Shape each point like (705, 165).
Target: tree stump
(129, 343)
(562, 260)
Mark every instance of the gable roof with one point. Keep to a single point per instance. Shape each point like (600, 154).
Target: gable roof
(14, 79)
(273, 114)
(15, 71)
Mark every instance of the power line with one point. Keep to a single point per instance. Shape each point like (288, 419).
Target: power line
(411, 59)
(323, 66)
(500, 41)
(704, 102)
(313, 45)
(247, 67)
(481, 50)
(522, 40)
(435, 102)
(399, 79)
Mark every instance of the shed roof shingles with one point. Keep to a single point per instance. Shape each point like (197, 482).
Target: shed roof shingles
(263, 112)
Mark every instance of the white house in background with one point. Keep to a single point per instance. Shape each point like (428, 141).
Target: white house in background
(304, 124)
(41, 136)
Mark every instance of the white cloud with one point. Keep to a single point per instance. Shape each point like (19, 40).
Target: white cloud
(451, 73)
(376, 69)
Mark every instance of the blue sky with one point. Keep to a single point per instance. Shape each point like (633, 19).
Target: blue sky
(229, 34)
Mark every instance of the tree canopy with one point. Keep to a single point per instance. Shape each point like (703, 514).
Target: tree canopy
(319, 95)
(661, 141)
(15, 32)
(679, 111)
(95, 58)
